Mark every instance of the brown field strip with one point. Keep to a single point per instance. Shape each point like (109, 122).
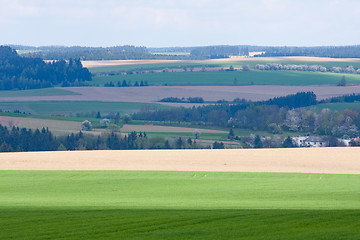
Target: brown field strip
(56, 126)
(209, 93)
(321, 160)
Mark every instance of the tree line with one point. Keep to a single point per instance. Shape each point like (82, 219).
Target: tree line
(223, 51)
(304, 67)
(23, 140)
(330, 51)
(30, 73)
(275, 115)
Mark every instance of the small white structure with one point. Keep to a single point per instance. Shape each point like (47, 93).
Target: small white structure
(299, 141)
(315, 142)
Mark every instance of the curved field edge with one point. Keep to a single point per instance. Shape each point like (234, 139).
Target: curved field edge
(178, 205)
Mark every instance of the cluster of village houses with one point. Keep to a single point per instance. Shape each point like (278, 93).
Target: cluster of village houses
(310, 141)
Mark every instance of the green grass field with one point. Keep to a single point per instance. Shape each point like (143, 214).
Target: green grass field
(336, 106)
(225, 64)
(37, 92)
(178, 205)
(73, 107)
(227, 78)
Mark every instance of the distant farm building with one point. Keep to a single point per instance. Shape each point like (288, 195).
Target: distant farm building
(315, 142)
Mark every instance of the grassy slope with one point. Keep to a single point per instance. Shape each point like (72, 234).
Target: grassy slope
(227, 78)
(37, 92)
(178, 205)
(73, 107)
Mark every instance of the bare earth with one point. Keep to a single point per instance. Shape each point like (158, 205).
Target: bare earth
(57, 127)
(107, 63)
(154, 128)
(321, 160)
(209, 93)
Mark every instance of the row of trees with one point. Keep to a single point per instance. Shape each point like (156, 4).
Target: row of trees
(22, 140)
(124, 83)
(91, 53)
(304, 67)
(28, 73)
(331, 51)
(183, 100)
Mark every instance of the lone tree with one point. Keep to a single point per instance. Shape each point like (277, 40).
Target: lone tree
(127, 118)
(246, 68)
(342, 82)
(231, 134)
(86, 125)
(288, 143)
(258, 143)
(196, 134)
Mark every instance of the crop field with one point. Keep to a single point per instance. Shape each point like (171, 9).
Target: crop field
(142, 65)
(292, 78)
(57, 127)
(72, 107)
(37, 92)
(178, 205)
(153, 94)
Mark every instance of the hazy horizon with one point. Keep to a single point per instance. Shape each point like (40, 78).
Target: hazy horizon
(171, 23)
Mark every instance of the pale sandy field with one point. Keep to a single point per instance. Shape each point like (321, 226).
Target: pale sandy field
(209, 93)
(321, 160)
(107, 63)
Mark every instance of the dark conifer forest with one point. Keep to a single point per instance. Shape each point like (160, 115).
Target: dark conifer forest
(19, 73)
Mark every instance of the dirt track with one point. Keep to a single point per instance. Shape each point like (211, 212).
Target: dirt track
(324, 160)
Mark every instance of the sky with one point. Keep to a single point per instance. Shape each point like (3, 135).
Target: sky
(170, 23)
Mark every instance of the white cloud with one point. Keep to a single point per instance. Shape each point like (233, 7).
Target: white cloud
(180, 22)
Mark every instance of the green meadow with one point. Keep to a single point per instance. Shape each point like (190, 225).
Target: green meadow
(294, 78)
(336, 106)
(178, 205)
(73, 107)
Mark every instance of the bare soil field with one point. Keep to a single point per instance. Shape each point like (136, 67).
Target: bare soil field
(154, 128)
(57, 127)
(209, 93)
(106, 63)
(305, 160)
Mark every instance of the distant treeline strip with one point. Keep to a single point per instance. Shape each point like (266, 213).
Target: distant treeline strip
(331, 51)
(205, 52)
(23, 140)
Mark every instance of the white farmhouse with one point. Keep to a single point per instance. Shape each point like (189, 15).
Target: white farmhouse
(315, 142)
(299, 141)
